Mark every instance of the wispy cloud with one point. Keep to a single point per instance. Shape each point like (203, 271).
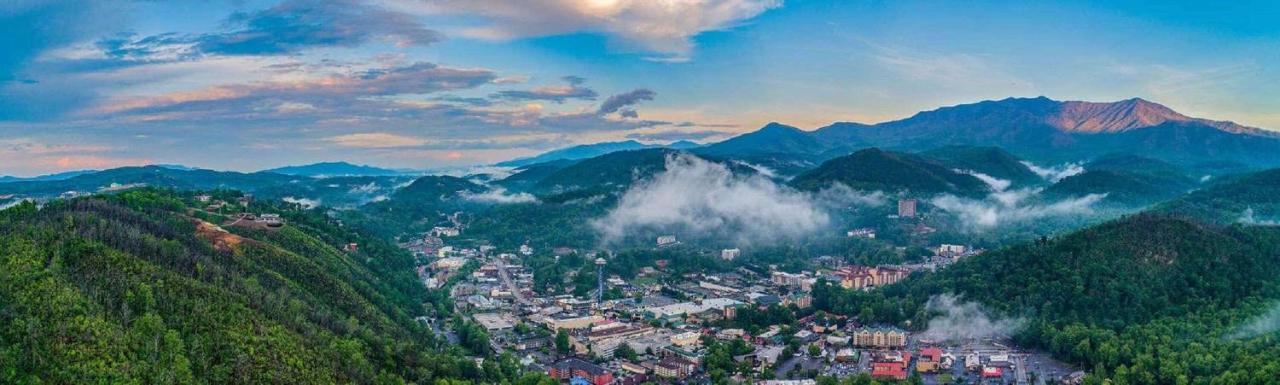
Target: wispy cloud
(665, 28)
(375, 140)
(558, 94)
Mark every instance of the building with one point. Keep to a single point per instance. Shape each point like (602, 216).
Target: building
(692, 308)
(570, 368)
(882, 338)
(929, 361)
(675, 367)
(906, 208)
(526, 250)
(495, 323)
(862, 233)
(889, 370)
(441, 231)
(862, 277)
(271, 220)
(950, 250)
(351, 247)
(730, 254)
(686, 339)
(891, 365)
(666, 240)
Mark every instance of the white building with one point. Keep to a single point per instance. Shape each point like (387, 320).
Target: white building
(666, 240)
(730, 254)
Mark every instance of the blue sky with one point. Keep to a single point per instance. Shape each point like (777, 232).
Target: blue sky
(246, 85)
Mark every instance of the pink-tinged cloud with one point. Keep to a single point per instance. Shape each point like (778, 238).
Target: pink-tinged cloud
(81, 162)
(376, 140)
(415, 79)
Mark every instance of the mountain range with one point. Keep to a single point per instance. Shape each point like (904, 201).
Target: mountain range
(1037, 129)
(330, 169)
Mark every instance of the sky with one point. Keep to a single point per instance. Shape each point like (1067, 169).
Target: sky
(247, 84)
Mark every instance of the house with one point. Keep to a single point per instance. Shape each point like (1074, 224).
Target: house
(351, 247)
(570, 368)
(666, 240)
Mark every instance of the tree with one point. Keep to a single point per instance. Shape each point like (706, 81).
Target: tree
(625, 352)
(814, 351)
(562, 342)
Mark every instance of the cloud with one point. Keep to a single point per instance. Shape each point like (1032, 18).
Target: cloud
(1247, 218)
(995, 184)
(1010, 207)
(1054, 174)
(375, 140)
(964, 321)
(499, 195)
(615, 102)
(286, 28)
(304, 202)
(558, 94)
(662, 27)
(1264, 324)
(840, 196)
(695, 196)
(36, 156)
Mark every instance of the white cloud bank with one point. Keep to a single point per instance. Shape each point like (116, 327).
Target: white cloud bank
(499, 195)
(1264, 324)
(1055, 173)
(1004, 206)
(1247, 218)
(697, 196)
(960, 321)
(304, 202)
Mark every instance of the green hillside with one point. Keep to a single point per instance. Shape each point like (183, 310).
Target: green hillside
(992, 161)
(1227, 200)
(878, 170)
(1146, 299)
(132, 289)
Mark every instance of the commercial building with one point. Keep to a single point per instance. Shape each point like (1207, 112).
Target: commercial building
(882, 338)
(570, 368)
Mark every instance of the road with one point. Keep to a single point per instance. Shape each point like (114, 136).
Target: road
(1020, 369)
(511, 285)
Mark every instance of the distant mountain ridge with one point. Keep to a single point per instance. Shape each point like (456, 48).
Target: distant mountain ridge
(325, 169)
(1037, 129)
(585, 151)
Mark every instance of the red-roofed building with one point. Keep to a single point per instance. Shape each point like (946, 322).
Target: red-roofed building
(992, 372)
(890, 365)
(929, 360)
(894, 370)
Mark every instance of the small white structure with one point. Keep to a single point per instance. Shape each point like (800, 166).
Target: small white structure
(730, 254)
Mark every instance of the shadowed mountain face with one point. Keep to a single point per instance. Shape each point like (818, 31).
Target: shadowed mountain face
(1037, 129)
(1042, 129)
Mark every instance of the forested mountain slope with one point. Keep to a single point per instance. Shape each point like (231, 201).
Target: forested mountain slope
(137, 288)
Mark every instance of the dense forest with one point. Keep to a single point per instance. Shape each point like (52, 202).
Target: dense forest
(1146, 299)
(135, 288)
